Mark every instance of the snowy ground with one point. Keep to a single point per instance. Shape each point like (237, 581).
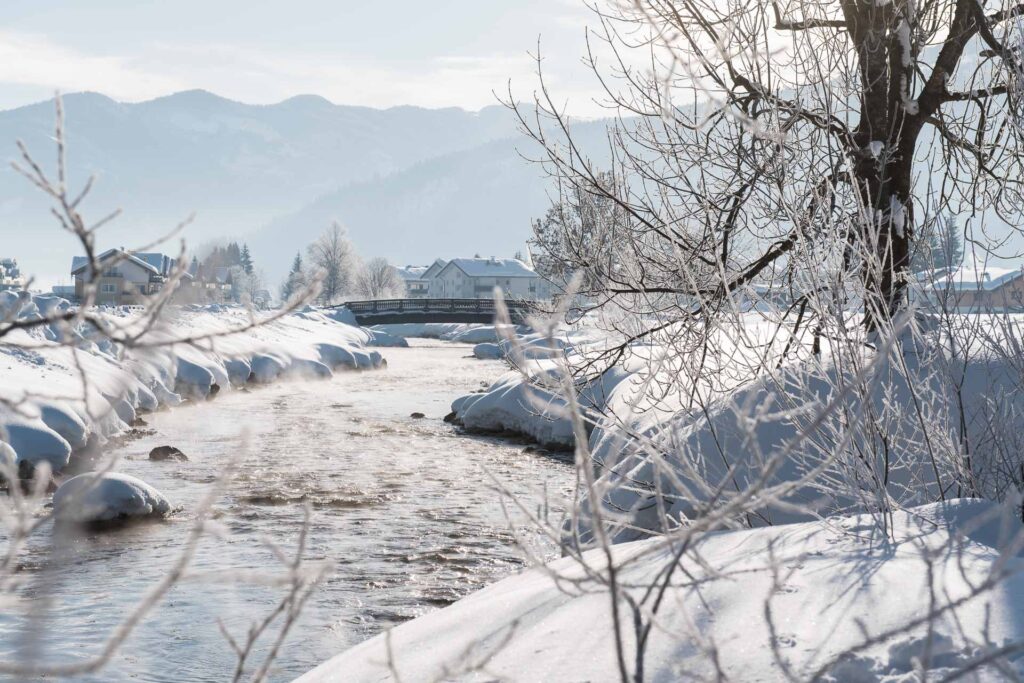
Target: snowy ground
(827, 581)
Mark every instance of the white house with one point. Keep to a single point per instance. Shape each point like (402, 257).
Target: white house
(476, 278)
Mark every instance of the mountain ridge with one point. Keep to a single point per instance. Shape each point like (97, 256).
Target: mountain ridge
(235, 165)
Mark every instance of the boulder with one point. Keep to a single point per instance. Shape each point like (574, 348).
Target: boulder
(167, 453)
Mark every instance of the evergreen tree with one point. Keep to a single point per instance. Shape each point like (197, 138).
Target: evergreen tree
(952, 245)
(245, 260)
(295, 281)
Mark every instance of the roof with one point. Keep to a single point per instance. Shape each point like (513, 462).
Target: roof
(162, 262)
(154, 262)
(80, 263)
(978, 276)
(493, 267)
(413, 272)
(436, 267)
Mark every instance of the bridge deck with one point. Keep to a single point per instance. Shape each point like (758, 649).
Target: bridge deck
(393, 311)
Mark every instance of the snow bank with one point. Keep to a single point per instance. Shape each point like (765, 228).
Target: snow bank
(834, 578)
(382, 338)
(33, 442)
(530, 346)
(455, 332)
(651, 447)
(512, 405)
(489, 351)
(524, 401)
(516, 405)
(736, 438)
(106, 497)
(57, 416)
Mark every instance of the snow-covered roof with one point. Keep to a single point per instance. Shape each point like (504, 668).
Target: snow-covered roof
(162, 262)
(153, 262)
(973, 277)
(435, 268)
(412, 272)
(80, 263)
(493, 267)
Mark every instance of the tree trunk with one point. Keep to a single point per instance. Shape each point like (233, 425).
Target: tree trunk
(886, 136)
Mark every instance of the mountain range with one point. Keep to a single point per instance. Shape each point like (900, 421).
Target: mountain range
(409, 184)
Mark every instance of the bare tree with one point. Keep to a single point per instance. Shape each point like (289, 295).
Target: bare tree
(378, 279)
(579, 234)
(761, 141)
(334, 258)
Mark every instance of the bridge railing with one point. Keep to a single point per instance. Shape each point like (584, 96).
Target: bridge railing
(517, 308)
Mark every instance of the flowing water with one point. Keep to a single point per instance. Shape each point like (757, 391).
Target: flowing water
(405, 509)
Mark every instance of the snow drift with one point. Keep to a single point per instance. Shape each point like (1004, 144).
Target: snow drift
(827, 579)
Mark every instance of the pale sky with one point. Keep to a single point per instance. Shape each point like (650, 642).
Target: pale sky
(368, 52)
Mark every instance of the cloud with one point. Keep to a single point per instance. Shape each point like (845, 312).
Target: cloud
(253, 75)
(261, 76)
(33, 60)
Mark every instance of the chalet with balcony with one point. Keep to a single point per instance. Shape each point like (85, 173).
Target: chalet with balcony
(125, 277)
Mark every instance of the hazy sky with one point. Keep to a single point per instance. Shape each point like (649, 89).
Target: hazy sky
(371, 52)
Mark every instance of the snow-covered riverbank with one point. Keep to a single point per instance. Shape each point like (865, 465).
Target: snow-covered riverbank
(403, 508)
(69, 398)
(918, 589)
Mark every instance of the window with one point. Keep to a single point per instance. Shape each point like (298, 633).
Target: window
(108, 288)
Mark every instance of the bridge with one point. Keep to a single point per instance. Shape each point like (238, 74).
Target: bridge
(394, 311)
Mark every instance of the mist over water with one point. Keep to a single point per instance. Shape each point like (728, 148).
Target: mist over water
(404, 508)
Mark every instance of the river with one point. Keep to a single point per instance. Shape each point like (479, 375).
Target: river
(404, 508)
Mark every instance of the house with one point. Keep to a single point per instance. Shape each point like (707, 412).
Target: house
(10, 275)
(975, 287)
(126, 277)
(417, 278)
(476, 278)
(210, 284)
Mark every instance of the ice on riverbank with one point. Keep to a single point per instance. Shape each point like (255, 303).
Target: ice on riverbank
(773, 603)
(193, 353)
